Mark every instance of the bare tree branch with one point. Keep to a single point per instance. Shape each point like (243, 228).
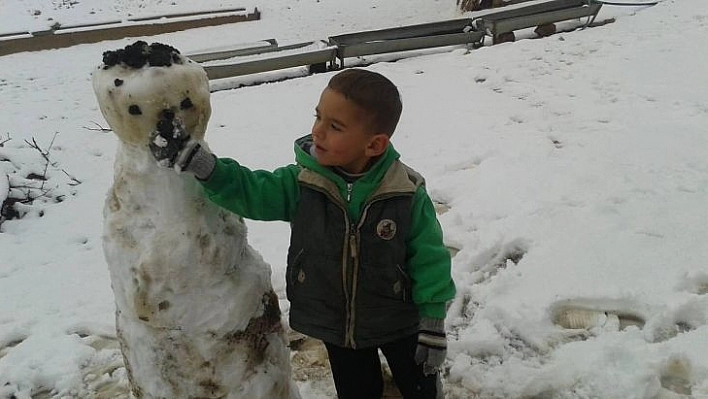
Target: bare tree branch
(2, 142)
(98, 128)
(74, 181)
(27, 189)
(45, 155)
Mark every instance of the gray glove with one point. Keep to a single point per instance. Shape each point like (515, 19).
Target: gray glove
(172, 146)
(432, 345)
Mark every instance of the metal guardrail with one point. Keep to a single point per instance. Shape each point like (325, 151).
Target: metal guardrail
(188, 14)
(511, 24)
(413, 43)
(244, 50)
(501, 22)
(391, 40)
(139, 19)
(427, 29)
(8, 34)
(66, 27)
(535, 8)
(411, 37)
(315, 57)
(270, 48)
(405, 38)
(51, 39)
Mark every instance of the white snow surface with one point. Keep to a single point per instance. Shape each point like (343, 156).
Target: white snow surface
(572, 170)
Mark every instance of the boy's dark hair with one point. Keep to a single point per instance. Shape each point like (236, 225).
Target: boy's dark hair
(374, 93)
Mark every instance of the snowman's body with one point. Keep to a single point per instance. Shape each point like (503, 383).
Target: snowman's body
(195, 311)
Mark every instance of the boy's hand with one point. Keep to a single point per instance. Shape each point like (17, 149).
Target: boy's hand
(172, 146)
(432, 345)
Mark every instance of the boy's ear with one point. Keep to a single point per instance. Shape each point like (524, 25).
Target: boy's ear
(377, 145)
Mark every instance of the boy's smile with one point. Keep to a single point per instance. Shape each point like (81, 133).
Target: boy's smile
(342, 134)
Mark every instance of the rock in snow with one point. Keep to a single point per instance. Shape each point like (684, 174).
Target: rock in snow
(195, 311)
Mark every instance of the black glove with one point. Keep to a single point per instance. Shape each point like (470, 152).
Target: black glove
(172, 147)
(432, 345)
(168, 139)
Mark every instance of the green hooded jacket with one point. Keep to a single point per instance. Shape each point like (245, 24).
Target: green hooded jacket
(274, 195)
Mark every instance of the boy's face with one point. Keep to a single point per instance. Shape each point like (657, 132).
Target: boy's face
(342, 134)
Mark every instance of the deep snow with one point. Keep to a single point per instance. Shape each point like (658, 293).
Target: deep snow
(571, 171)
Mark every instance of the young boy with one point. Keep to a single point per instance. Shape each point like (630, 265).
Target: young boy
(366, 267)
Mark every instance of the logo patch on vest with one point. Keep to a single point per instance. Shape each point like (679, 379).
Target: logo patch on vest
(386, 229)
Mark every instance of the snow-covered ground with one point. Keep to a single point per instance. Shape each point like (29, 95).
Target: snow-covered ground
(571, 171)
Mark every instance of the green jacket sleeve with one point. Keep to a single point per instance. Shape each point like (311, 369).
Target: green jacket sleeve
(429, 260)
(257, 195)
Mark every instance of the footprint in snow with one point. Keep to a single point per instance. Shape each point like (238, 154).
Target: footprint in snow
(675, 380)
(11, 342)
(498, 256)
(574, 317)
(696, 284)
(582, 318)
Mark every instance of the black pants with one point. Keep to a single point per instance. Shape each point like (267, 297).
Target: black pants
(357, 372)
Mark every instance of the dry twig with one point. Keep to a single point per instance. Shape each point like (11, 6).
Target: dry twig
(98, 128)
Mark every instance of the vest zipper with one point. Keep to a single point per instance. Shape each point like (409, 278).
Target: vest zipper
(350, 255)
(354, 256)
(351, 299)
(350, 188)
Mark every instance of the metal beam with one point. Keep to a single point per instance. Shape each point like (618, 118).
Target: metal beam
(512, 24)
(188, 14)
(52, 40)
(14, 34)
(224, 54)
(404, 38)
(530, 9)
(271, 64)
(413, 43)
(432, 28)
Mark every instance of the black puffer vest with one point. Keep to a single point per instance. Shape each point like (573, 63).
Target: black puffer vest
(348, 284)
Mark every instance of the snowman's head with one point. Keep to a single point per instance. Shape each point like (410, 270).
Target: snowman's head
(135, 86)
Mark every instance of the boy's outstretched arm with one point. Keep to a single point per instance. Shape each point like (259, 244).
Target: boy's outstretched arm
(258, 195)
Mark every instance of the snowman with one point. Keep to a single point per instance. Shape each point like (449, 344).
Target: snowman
(196, 315)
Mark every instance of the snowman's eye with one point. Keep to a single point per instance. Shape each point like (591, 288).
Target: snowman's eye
(186, 103)
(134, 110)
